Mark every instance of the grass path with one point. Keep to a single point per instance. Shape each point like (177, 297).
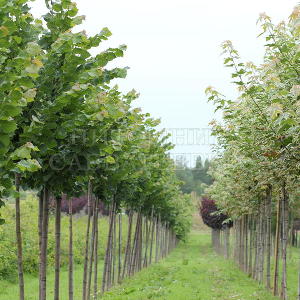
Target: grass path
(191, 272)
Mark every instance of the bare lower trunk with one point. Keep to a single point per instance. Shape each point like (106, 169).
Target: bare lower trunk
(19, 239)
(152, 239)
(57, 247)
(269, 218)
(227, 242)
(299, 280)
(285, 224)
(157, 239)
(114, 249)
(71, 281)
(246, 244)
(276, 255)
(40, 222)
(86, 256)
(120, 249)
(128, 245)
(44, 244)
(216, 239)
(92, 248)
(250, 269)
(96, 253)
(106, 272)
(133, 257)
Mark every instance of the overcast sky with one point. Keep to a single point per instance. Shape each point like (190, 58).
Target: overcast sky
(174, 53)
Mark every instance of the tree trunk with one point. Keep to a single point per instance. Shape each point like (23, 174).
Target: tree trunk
(128, 245)
(299, 280)
(57, 247)
(86, 256)
(246, 243)
(114, 248)
(19, 238)
(134, 247)
(269, 218)
(44, 244)
(276, 255)
(71, 281)
(157, 239)
(120, 248)
(106, 276)
(152, 239)
(285, 224)
(96, 252)
(250, 246)
(40, 223)
(92, 247)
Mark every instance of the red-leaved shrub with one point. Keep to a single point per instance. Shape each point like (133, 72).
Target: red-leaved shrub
(211, 215)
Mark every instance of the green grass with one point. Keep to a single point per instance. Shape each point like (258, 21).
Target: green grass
(9, 291)
(192, 271)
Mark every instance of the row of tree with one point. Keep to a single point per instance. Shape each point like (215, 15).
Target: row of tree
(257, 171)
(66, 131)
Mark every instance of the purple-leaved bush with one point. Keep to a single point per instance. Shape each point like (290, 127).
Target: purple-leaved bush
(210, 215)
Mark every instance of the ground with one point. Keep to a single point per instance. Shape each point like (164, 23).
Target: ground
(191, 272)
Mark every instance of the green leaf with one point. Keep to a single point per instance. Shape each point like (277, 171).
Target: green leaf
(7, 126)
(4, 140)
(30, 165)
(33, 49)
(110, 160)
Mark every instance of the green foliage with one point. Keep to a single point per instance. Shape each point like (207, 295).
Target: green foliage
(20, 63)
(194, 179)
(259, 136)
(78, 128)
(29, 209)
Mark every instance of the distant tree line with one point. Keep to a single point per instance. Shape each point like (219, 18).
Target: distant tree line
(195, 178)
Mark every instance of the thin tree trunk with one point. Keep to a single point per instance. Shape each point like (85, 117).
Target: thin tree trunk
(299, 280)
(285, 224)
(134, 247)
(269, 218)
(140, 245)
(57, 247)
(128, 244)
(250, 246)
(256, 234)
(157, 239)
(96, 252)
(152, 238)
(40, 223)
(226, 242)
(43, 271)
(110, 273)
(120, 248)
(106, 277)
(71, 280)
(246, 244)
(114, 249)
(86, 256)
(276, 255)
(92, 247)
(261, 238)
(19, 238)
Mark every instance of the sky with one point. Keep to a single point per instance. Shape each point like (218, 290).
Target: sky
(174, 53)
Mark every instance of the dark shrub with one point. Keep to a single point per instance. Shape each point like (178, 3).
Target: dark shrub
(210, 215)
(78, 204)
